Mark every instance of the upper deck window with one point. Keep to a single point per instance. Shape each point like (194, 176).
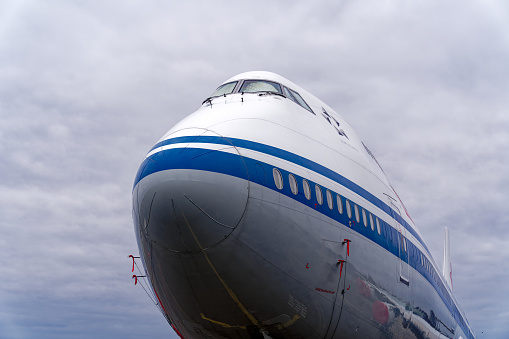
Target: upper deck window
(253, 86)
(224, 89)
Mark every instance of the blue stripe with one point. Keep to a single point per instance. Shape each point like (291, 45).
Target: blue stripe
(224, 163)
(301, 161)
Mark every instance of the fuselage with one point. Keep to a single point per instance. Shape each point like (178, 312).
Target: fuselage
(263, 214)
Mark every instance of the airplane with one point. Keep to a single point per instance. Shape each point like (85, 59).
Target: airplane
(264, 215)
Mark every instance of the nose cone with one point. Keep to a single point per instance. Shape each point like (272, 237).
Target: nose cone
(188, 199)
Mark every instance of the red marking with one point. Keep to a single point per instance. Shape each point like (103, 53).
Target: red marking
(316, 205)
(347, 246)
(363, 288)
(341, 267)
(162, 306)
(322, 290)
(380, 312)
(177, 331)
(307, 265)
(348, 289)
(136, 278)
(159, 300)
(130, 256)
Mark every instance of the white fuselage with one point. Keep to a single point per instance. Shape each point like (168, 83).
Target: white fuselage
(259, 215)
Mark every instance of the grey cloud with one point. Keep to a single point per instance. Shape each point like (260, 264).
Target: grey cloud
(86, 89)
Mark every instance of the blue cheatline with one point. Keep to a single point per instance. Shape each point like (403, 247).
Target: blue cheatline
(298, 160)
(221, 162)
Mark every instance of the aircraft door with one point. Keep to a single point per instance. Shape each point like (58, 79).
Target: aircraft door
(402, 245)
(403, 267)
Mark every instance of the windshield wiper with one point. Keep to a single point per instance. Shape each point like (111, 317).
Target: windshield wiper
(271, 93)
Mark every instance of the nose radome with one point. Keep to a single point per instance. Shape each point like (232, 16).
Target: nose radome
(192, 198)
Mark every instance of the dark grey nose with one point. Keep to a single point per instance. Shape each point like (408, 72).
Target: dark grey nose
(185, 202)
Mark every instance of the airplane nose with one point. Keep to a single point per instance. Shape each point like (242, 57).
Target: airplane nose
(188, 199)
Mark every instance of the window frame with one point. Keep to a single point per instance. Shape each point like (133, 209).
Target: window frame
(348, 208)
(318, 193)
(356, 211)
(300, 102)
(277, 172)
(306, 188)
(236, 82)
(339, 202)
(260, 80)
(330, 199)
(292, 180)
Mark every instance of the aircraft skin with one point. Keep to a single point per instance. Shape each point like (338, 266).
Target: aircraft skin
(264, 215)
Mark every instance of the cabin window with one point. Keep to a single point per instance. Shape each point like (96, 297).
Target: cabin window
(293, 184)
(357, 215)
(371, 222)
(340, 204)
(348, 208)
(253, 86)
(224, 89)
(330, 200)
(278, 178)
(378, 226)
(307, 189)
(364, 218)
(319, 196)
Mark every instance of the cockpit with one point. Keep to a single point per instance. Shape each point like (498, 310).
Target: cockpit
(262, 87)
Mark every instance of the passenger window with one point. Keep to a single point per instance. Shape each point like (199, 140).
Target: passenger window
(319, 196)
(224, 89)
(357, 216)
(364, 218)
(340, 204)
(293, 184)
(348, 209)
(330, 200)
(371, 222)
(253, 86)
(278, 178)
(307, 189)
(378, 226)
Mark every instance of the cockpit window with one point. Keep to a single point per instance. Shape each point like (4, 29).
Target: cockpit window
(289, 95)
(224, 89)
(253, 86)
(300, 100)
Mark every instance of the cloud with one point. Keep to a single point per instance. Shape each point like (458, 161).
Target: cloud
(86, 89)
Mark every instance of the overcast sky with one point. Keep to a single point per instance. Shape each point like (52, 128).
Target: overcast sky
(86, 88)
